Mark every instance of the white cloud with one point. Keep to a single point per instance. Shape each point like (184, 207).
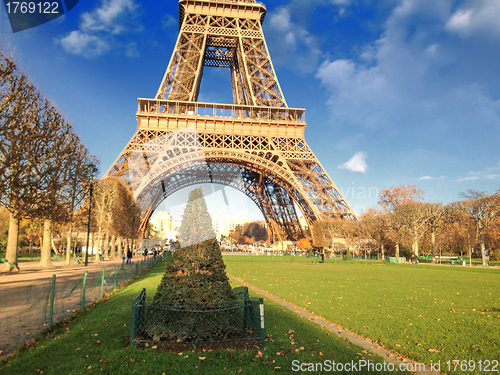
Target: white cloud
(78, 43)
(357, 163)
(341, 2)
(426, 178)
(106, 17)
(99, 29)
(289, 41)
(493, 176)
(488, 173)
(168, 21)
(478, 17)
(131, 50)
(417, 81)
(470, 178)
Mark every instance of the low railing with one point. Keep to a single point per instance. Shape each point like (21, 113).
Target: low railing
(236, 324)
(197, 109)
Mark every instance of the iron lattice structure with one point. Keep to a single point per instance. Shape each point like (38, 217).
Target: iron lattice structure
(255, 145)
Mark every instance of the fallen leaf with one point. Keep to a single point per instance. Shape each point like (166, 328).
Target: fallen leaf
(202, 358)
(434, 350)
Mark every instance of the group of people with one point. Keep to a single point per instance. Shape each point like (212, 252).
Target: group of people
(128, 256)
(154, 251)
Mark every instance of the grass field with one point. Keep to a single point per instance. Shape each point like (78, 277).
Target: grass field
(424, 312)
(96, 342)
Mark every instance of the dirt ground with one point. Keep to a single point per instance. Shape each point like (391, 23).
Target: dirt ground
(24, 296)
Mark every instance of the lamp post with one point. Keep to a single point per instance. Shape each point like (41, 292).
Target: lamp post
(133, 222)
(93, 169)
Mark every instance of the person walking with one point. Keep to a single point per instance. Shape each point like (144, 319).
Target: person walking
(129, 256)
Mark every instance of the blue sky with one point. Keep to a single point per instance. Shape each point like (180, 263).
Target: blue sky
(396, 91)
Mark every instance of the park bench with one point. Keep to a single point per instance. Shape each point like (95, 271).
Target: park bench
(450, 258)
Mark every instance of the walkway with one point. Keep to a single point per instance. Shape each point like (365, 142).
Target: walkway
(24, 296)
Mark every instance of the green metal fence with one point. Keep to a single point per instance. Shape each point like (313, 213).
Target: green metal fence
(36, 307)
(241, 323)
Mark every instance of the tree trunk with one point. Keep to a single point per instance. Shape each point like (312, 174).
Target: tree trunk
(92, 245)
(483, 249)
(68, 245)
(382, 251)
(433, 247)
(119, 247)
(112, 246)
(45, 261)
(415, 247)
(99, 242)
(11, 252)
(106, 246)
(125, 247)
(397, 249)
(60, 247)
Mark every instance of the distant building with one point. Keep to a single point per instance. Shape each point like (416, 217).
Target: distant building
(164, 225)
(303, 223)
(224, 224)
(167, 228)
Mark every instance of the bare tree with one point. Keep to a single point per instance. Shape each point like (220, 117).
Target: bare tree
(376, 225)
(19, 133)
(81, 169)
(55, 165)
(105, 198)
(393, 200)
(123, 216)
(483, 210)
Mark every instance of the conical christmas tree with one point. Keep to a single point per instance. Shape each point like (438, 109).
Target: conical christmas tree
(195, 280)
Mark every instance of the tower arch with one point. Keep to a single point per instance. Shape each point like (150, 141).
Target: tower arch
(255, 145)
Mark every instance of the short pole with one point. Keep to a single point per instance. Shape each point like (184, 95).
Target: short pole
(84, 284)
(132, 324)
(262, 331)
(88, 226)
(52, 297)
(116, 274)
(102, 281)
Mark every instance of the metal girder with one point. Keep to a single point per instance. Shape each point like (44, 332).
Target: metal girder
(247, 181)
(255, 145)
(214, 39)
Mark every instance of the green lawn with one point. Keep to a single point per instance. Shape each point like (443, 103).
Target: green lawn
(426, 313)
(95, 342)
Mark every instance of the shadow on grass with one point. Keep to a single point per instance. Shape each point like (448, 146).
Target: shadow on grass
(96, 340)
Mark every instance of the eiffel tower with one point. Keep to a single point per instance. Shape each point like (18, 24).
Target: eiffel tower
(255, 145)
